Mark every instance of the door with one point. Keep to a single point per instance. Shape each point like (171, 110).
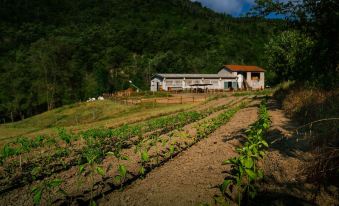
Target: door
(225, 85)
(157, 86)
(235, 85)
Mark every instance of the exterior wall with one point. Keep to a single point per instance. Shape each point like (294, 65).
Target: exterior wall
(240, 81)
(224, 72)
(154, 83)
(185, 83)
(256, 84)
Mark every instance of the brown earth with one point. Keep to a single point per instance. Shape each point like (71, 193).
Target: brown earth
(193, 176)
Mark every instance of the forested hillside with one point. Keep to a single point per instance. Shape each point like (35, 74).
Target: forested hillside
(58, 52)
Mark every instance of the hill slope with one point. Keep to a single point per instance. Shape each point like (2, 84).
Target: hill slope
(58, 52)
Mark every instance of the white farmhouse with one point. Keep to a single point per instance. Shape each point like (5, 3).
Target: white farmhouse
(229, 77)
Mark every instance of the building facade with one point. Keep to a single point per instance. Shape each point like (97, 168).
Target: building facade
(229, 77)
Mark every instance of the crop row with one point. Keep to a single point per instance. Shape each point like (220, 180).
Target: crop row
(95, 141)
(240, 184)
(150, 154)
(98, 168)
(24, 144)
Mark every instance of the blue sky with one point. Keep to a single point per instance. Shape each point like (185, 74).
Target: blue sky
(232, 7)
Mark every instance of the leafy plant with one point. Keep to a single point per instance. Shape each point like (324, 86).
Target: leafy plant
(92, 156)
(64, 135)
(122, 170)
(47, 187)
(244, 172)
(144, 158)
(171, 150)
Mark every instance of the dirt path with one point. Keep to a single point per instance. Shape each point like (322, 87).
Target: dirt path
(191, 177)
(284, 182)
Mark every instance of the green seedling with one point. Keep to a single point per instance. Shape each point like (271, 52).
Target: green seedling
(244, 172)
(122, 171)
(92, 156)
(171, 150)
(144, 157)
(47, 187)
(120, 179)
(65, 136)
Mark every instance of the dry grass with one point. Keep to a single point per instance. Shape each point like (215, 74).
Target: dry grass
(318, 112)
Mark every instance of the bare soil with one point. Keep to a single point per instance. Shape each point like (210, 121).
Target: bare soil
(193, 176)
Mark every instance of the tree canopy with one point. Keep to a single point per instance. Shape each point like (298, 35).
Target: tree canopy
(317, 21)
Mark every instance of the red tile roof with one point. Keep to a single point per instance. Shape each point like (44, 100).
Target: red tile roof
(243, 68)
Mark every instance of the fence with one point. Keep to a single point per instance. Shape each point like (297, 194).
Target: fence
(161, 100)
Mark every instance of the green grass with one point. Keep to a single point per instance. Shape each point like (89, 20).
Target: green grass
(148, 94)
(258, 92)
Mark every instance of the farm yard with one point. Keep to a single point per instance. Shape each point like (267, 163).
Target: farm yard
(158, 154)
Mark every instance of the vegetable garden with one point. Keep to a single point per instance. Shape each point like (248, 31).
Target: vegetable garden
(82, 167)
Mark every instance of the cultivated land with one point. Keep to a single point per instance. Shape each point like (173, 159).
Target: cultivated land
(164, 154)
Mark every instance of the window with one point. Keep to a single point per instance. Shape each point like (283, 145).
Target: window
(214, 82)
(255, 76)
(169, 83)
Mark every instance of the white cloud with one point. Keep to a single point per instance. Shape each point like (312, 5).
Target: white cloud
(234, 7)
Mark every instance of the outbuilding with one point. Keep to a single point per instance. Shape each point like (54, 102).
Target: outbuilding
(229, 77)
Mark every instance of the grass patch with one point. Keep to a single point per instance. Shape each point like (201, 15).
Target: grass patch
(73, 114)
(148, 94)
(258, 92)
(81, 116)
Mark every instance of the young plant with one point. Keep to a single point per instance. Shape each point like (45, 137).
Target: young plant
(122, 170)
(122, 175)
(92, 155)
(244, 172)
(171, 150)
(144, 158)
(63, 135)
(47, 187)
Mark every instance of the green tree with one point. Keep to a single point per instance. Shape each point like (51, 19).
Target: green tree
(318, 19)
(289, 55)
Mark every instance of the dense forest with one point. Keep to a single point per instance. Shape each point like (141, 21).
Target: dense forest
(58, 52)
